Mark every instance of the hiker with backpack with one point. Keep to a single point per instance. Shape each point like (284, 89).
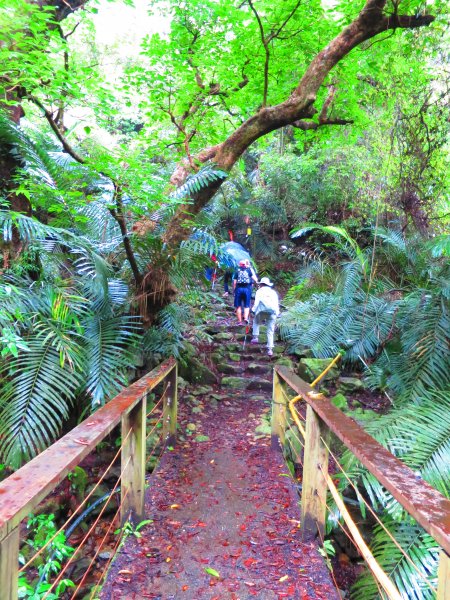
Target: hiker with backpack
(266, 308)
(242, 286)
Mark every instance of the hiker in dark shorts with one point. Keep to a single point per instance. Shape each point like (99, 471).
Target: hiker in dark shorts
(242, 286)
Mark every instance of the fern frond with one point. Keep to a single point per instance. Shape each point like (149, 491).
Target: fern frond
(35, 401)
(422, 550)
(198, 181)
(109, 343)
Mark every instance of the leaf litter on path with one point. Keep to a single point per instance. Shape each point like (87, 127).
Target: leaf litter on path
(236, 533)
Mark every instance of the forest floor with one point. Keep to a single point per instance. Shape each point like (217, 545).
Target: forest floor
(224, 509)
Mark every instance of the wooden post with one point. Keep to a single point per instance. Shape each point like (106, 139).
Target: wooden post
(443, 592)
(167, 394)
(9, 565)
(173, 407)
(133, 462)
(278, 413)
(314, 484)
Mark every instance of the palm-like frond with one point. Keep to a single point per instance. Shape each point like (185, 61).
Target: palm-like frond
(342, 237)
(327, 323)
(424, 319)
(440, 246)
(36, 399)
(166, 338)
(417, 434)
(413, 582)
(109, 343)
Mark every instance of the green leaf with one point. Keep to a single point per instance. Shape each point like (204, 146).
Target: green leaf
(212, 572)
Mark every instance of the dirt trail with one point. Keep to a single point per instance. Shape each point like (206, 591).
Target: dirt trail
(224, 505)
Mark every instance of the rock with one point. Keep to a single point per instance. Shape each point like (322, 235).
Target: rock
(258, 368)
(79, 568)
(196, 371)
(235, 357)
(239, 383)
(202, 390)
(350, 384)
(340, 401)
(362, 416)
(224, 335)
(285, 362)
(278, 349)
(189, 398)
(105, 555)
(233, 347)
(213, 329)
(181, 383)
(264, 429)
(260, 384)
(310, 368)
(229, 369)
(217, 357)
(201, 438)
(302, 352)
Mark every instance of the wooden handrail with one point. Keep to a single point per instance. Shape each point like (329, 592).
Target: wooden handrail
(21, 492)
(428, 507)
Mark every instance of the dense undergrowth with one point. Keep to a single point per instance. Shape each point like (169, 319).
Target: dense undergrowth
(351, 221)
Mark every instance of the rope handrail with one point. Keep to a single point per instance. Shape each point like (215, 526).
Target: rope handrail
(43, 473)
(24, 490)
(425, 504)
(360, 544)
(320, 406)
(75, 512)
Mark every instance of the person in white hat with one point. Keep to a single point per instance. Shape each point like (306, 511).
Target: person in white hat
(266, 308)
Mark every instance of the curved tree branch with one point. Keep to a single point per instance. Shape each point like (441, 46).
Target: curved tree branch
(300, 105)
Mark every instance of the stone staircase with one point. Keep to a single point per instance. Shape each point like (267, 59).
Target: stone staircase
(242, 366)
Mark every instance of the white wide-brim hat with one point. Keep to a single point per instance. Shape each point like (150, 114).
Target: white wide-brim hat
(266, 281)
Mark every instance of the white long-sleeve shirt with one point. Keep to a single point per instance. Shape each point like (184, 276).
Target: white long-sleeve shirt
(268, 297)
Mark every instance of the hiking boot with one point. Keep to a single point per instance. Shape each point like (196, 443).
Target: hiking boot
(225, 295)
(245, 321)
(269, 352)
(254, 341)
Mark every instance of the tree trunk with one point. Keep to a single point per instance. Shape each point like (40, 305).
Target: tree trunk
(300, 105)
(10, 163)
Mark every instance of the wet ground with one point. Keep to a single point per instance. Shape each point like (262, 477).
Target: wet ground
(225, 512)
(225, 504)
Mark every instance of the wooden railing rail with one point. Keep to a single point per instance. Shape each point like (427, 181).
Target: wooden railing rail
(21, 492)
(428, 507)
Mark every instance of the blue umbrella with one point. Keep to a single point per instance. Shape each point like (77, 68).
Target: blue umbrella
(231, 253)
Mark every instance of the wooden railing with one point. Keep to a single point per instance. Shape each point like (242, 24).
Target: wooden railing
(425, 504)
(21, 492)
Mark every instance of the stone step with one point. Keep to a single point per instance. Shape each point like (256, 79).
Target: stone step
(260, 384)
(256, 356)
(230, 369)
(243, 383)
(264, 368)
